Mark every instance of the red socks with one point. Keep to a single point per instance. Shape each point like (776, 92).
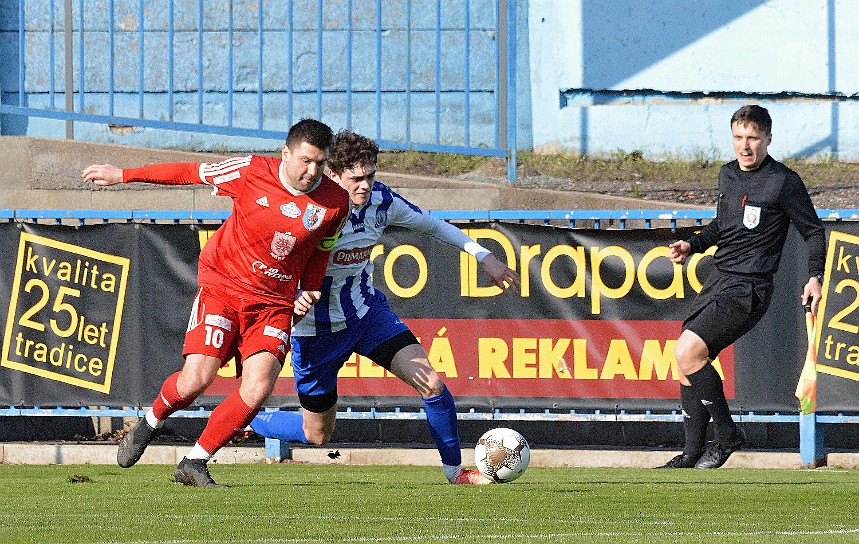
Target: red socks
(228, 418)
(168, 400)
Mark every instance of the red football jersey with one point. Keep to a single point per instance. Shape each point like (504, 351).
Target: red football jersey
(275, 236)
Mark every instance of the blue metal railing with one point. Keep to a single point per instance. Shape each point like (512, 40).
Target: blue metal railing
(594, 219)
(347, 412)
(381, 72)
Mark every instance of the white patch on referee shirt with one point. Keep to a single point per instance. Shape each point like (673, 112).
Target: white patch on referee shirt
(283, 336)
(751, 216)
(219, 321)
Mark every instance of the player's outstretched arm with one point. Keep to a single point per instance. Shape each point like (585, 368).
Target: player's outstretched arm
(102, 174)
(502, 275)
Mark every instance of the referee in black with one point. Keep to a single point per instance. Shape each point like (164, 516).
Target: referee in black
(758, 198)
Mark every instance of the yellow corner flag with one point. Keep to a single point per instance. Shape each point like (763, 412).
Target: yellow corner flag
(806, 388)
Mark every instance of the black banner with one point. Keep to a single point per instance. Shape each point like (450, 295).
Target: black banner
(97, 315)
(838, 324)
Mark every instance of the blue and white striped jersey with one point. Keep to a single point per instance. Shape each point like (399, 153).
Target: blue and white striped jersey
(348, 288)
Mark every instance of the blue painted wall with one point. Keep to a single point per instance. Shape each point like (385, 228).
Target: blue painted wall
(663, 77)
(297, 80)
(593, 76)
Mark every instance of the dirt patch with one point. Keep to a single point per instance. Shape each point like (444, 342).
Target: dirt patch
(832, 185)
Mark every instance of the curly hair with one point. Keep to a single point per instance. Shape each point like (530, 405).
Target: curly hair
(348, 149)
(753, 115)
(314, 132)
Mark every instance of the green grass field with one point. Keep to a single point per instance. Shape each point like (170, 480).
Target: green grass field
(321, 504)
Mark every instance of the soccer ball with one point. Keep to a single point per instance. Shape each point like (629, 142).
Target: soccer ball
(502, 455)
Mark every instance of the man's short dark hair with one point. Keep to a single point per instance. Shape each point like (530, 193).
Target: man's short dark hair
(314, 132)
(755, 115)
(348, 149)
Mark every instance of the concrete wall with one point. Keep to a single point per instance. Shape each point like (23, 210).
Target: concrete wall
(298, 78)
(44, 173)
(593, 76)
(663, 77)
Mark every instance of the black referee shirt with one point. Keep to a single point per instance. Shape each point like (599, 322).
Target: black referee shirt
(754, 211)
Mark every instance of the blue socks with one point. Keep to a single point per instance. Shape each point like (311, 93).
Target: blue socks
(443, 427)
(286, 426)
(441, 419)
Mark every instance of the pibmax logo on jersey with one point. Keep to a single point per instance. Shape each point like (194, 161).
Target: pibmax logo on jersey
(65, 312)
(352, 256)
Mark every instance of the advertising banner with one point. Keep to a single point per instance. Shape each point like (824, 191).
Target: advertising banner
(838, 324)
(97, 314)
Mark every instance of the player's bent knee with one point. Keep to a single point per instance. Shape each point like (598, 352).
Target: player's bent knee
(319, 439)
(435, 385)
(690, 361)
(254, 394)
(318, 436)
(690, 352)
(320, 415)
(427, 386)
(192, 385)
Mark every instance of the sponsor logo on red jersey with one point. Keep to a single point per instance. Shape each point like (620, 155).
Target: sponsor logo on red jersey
(280, 334)
(219, 321)
(290, 210)
(262, 268)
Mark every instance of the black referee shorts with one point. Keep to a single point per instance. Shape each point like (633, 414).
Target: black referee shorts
(728, 307)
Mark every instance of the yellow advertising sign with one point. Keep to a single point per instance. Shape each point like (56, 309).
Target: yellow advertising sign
(838, 317)
(65, 312)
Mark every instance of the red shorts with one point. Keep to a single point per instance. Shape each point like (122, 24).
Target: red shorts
(224, 326)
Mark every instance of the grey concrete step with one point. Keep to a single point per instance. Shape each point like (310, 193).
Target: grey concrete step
(105, 454)
(45, 173)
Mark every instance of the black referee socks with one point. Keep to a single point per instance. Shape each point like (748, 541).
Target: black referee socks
(708, 386)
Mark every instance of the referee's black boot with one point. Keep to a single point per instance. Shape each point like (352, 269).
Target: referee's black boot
(716, 453)
(683, 460)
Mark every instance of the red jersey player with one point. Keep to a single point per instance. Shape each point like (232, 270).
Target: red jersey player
(286, 216)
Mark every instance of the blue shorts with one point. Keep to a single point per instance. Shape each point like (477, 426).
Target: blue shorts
(317, 359)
